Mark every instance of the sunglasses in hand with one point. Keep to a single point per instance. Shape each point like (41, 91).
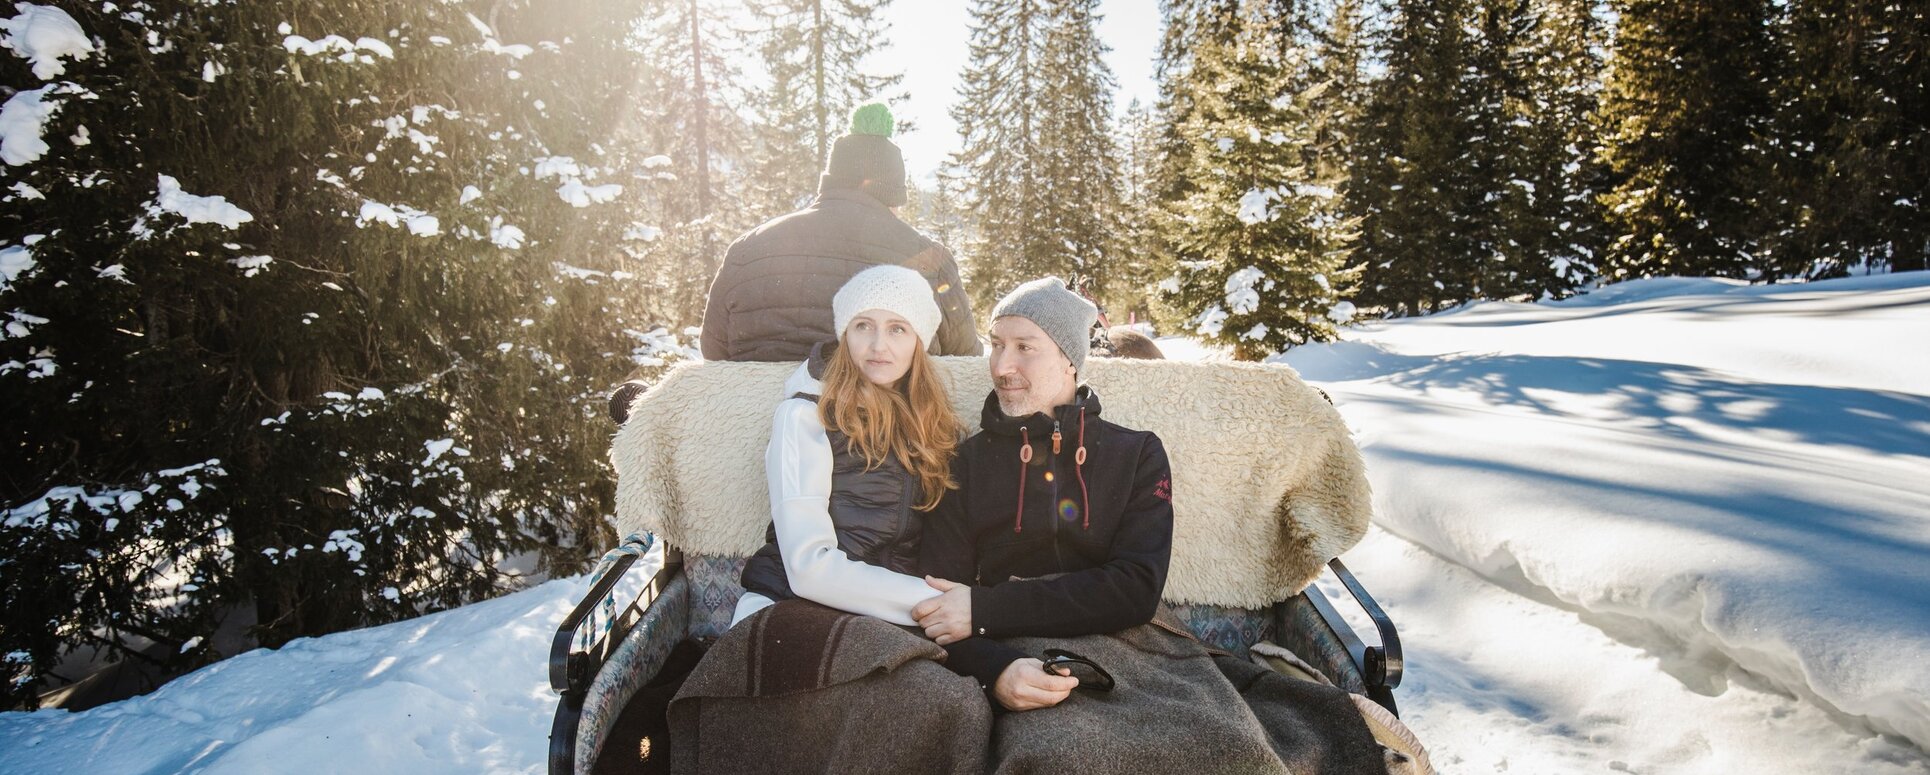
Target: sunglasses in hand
(1091, 676)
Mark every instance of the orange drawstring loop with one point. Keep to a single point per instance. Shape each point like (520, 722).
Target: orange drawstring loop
(1079, 469)
(1025, 459)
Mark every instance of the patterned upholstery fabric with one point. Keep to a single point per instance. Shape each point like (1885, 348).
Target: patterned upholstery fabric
(1299, 627)
(714, 589)
(1226, 628)
(634, 662)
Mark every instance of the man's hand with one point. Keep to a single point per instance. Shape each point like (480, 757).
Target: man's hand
(1025, 685)
(947, 618)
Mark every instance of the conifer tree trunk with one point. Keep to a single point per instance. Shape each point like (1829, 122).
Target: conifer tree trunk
(815, 54)
(701, 119)
(1850, 154)
(819, 103)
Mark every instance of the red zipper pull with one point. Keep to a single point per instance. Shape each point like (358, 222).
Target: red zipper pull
(1055, 442)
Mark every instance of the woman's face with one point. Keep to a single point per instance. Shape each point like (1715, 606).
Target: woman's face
(882, 345)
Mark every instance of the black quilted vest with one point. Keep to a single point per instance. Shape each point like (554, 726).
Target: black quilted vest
(871, 510)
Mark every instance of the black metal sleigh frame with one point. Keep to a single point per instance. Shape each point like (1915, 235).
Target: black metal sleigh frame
(664, 612)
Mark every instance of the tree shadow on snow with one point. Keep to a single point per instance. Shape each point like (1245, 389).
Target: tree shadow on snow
(1695, 300)
(1662, 395)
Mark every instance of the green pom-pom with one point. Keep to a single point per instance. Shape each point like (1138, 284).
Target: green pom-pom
(873, 118)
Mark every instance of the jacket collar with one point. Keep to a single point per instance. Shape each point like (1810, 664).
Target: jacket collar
(809, 376)
(850, 195)
(820, 358)
(1038, 424)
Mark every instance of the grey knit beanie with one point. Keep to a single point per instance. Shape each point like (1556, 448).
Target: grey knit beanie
(1066, 316)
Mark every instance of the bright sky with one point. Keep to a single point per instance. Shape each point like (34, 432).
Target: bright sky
(929, 45)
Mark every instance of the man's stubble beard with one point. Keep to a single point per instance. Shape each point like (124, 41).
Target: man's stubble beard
(1023, 408)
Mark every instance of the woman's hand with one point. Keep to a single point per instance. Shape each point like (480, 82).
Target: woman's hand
(947, 618)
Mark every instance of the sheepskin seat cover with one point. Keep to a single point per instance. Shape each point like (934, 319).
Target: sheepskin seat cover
(1267, 482)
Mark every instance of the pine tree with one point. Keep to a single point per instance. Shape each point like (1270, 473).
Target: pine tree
(1686, 107)
(1415, 184)
(937, 212)
(1186, 24)
(1853, 141)
(814, 53)
(1167, 178)
(1038, 158)
(1337, 87)
(1080, 153)
(1142, 260)
(1531, 97)
(312, 320)
(1261, 241)
(1282, 29)
(1559, 250)
(1494, 95)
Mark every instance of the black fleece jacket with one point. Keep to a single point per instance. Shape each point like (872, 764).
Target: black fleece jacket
(1100, 523)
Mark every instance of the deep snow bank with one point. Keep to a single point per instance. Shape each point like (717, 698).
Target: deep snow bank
(1500, 683)
(460, 691)
(1718, 473)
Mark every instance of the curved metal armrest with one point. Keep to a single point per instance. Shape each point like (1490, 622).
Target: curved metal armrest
(1380, 666)
(571, 671)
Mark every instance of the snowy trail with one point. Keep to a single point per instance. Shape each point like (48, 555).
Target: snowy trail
(1726, 479)
(1497, 682)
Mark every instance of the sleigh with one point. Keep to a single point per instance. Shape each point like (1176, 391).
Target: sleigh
(1268, 491)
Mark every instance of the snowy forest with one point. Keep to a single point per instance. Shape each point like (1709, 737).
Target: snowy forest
(311, 310)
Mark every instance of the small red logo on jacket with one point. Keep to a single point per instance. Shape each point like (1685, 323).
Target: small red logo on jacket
(1164, 490)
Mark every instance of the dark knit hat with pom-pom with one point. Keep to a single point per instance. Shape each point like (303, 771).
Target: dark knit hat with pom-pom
(867, 153)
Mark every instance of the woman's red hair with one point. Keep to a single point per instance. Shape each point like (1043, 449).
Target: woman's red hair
(912, 420)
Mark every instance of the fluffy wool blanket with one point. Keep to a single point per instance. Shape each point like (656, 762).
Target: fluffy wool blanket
(1267, 483)
(799, 687)
(1177, 708)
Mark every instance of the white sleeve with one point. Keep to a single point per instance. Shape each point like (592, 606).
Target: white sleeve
(798, 464)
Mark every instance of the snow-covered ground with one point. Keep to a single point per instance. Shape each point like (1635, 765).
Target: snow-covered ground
(1675, 526)
(1672, 526)
(460, 691)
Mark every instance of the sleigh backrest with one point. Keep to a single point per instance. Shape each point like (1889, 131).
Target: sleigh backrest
(1267, 483)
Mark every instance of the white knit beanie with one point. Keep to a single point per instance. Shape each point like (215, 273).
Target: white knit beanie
(893, 289)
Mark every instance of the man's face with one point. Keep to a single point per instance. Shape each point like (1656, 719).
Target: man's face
(1029, 372)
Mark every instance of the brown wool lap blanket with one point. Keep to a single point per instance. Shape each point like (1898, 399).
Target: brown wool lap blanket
(799, 687)
(1178, 708)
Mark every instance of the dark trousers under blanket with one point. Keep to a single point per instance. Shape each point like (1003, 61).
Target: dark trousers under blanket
(1179, 708)
(799, 687)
